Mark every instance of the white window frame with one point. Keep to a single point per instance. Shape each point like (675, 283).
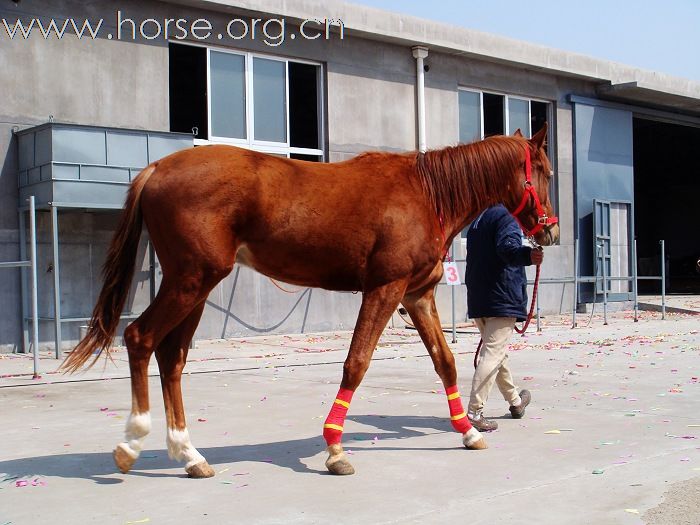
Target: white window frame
(529, 113)
(277, 148)
(506, 109)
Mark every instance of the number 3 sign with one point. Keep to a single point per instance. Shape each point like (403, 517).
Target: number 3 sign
(451, 273)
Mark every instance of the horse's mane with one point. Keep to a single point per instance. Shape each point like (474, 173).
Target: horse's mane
(461, 180)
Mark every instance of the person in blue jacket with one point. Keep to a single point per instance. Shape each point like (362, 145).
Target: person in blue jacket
(496, 299)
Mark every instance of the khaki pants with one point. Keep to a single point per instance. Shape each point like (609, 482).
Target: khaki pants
(493, 362)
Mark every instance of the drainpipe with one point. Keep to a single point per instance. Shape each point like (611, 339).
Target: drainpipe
(419, 53)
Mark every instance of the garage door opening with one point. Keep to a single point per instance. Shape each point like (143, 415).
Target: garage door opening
(667, 204)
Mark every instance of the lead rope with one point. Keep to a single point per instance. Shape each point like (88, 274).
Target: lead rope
(529, 315)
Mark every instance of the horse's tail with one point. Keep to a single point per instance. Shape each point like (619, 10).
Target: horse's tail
(117, 272)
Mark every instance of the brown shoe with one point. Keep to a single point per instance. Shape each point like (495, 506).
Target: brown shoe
(482, 424)
(519, 411)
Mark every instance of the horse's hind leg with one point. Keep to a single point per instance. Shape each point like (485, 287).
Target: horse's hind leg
(177, 297)
(172, 355)
(421, 307)
(376, 309)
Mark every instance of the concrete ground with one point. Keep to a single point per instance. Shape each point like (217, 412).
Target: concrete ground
(611, 436)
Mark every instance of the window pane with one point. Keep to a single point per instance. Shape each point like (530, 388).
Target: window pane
(538, 116)
(188, 89)
(309, 158)
(227, 95)
(469, 116)
(303, 105)
(518, 116)
(494, 115)
(269, 100)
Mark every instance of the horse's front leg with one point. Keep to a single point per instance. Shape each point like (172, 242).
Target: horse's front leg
(377, 307)
(421, 307)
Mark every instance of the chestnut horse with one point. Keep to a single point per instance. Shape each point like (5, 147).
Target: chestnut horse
(380, 224)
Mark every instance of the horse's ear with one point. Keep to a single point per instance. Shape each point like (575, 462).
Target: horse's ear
(540, 136)
(518, 133)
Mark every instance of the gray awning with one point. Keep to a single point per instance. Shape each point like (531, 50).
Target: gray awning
(637, 93)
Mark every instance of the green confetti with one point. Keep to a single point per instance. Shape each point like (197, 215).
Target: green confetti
(598, 471)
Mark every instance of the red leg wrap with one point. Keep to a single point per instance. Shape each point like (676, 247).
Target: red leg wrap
(333, 428)
(460, 421)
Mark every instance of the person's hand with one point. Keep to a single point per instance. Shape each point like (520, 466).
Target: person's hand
(536, 256)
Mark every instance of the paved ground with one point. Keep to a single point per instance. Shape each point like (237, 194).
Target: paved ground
(614, 425)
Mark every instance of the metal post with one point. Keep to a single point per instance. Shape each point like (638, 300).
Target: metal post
(634, 281)
(56, 280)
(420, 53)
(537, 302)
(663, 279)
(23, 281)
(573, 320)
(152, 270)
(35, 301)
(454, 325)
(605, 284)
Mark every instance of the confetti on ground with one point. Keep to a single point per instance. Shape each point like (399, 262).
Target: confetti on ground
(144, 520)
(553, 432)
(201, 420)
(597, 471)
(632, 511)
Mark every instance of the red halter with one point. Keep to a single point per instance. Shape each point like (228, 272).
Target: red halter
(542, 218)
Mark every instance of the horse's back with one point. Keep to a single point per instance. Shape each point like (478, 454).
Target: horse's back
(309, 223)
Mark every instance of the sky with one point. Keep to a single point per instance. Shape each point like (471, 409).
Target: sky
(658, 35)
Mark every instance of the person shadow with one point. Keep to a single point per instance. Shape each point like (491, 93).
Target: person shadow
(99, 466)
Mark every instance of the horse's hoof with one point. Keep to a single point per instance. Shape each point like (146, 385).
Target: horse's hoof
(478, 445)
(473, 440)
(123, 458)
(337, 463)
(200, 470)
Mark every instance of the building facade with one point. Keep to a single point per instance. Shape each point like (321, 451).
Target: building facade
(320, 81)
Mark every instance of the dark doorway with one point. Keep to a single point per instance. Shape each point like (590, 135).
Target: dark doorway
(666, 192)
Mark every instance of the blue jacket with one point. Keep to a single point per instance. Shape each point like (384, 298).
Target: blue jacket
(495, 277)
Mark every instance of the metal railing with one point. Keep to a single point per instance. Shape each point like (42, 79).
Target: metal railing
(29, 263)
(594, 279)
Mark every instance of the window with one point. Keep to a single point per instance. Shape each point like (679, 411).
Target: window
(484, 114)
(261, 102)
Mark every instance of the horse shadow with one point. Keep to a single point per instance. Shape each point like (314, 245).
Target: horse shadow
(99, 466)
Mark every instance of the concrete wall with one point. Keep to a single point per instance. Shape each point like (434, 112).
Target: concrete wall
(370, 104)
(99, 82)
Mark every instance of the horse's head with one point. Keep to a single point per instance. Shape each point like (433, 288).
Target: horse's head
(531, 206)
